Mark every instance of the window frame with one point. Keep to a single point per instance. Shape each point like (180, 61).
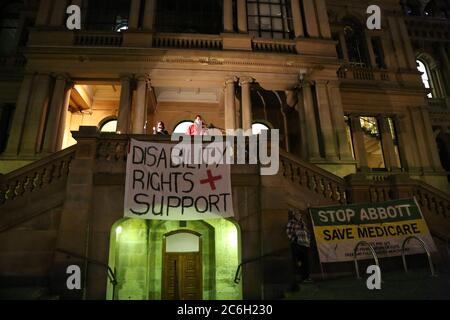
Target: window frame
(286, 31)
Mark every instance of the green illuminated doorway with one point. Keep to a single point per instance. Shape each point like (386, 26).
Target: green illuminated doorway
(137, 254)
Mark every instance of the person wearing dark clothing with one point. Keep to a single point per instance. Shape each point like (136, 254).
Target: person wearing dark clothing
(300, 240)
(160, 129)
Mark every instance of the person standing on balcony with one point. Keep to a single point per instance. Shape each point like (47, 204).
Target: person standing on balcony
(197, 128)
(300, 239)
(160, 129)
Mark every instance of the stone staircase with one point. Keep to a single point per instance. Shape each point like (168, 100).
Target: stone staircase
(31, 202)
(32, 199)
(331, 190)
(414, 285)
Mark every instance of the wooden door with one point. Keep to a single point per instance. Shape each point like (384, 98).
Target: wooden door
(182, 276)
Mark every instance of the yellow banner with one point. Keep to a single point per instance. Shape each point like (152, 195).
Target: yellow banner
(401, 229)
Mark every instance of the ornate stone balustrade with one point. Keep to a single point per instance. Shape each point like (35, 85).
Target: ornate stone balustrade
(432, 199)
(313, 178)
(36, 176)
(12, 62)
(350, 72)
(273, 45)
(437, 104)
(187, 41)
(428, 29)
(112, 149)
(98, 39)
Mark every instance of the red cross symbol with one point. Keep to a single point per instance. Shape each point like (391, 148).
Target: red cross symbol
(211, 180)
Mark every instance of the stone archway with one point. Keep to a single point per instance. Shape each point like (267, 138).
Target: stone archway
(137, 257)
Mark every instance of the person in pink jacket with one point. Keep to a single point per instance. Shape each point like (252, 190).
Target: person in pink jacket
(197, 128)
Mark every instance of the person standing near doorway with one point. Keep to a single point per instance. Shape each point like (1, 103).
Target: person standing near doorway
(300, 240)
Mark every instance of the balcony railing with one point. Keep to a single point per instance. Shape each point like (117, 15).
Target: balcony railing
(357, 72)
(12, 61)
(188, 41)
(428, 29)
(98, 39)
(437, 104)
(273, 45)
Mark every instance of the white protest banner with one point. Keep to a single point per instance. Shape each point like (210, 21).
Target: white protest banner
(159, 188)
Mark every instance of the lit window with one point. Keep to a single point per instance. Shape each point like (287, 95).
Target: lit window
(182, 127)
(258, 127)
(425, 77)
(109, 126)
(372, 142)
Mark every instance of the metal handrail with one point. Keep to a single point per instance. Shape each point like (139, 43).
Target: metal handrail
(355, 258)
(237, 278)
(111, 274)
(424, 246)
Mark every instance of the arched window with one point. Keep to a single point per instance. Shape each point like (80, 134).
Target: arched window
(109, 126)
(431, 76)
(425, 76)
(356, 42)
(257, 127)
(182, 127)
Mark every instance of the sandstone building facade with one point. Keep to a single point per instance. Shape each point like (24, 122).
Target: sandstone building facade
(364, 115)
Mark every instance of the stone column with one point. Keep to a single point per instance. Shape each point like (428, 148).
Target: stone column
(312, 138)
(446, 65)
(311, 19)
(73, 236)
(431, 140)
(419, 137)
(337, 115)
(18, 123)
(399, 53)
(59, 13)
(387, 144)
(135, 7)
(35, 119)
(389, 52)
(358, 143)
(373, 61)
(409, 51)
(54, 114)
(227, 15)
(242, 16)
(63, 118)
(43, 14)
(300, 108)
(247, 117)
(343, 45)
(286, 130)
(297, 18)
(123, 117)
(407, 149)
(139, 114)
(230, 105)
(149, 15)
(324, 24)
(326, 125)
